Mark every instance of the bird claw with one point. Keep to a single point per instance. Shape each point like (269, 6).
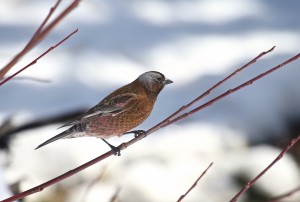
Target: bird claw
(138, 133)
(116, 150)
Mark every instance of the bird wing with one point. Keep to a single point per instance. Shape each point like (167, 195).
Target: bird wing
(111, 106)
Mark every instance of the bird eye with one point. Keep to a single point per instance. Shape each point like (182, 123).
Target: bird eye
(159, 79)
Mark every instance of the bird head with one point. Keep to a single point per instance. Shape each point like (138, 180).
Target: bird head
(154, 81)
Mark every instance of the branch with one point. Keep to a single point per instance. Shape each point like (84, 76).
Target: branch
(249, 184)
(195, 183)
(35, 61)
(59, 178)
(285, 195)
(169, 121)
(206, 93)
(40, 34)
(124, 145)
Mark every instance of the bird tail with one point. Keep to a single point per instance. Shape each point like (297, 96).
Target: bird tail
(66, 134)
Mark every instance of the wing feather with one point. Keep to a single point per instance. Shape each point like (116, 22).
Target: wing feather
(111, 106)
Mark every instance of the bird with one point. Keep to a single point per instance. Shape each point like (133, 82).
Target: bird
(119, 112)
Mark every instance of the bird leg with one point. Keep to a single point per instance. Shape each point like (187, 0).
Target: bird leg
(116, 150)
(136, 133)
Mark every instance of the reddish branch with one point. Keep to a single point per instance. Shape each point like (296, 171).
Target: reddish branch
(195, 183)
(35, 61)
(162, 124)
(206, 93)
(230, 91)
(249, 184)
(40, 34)
(285, 195)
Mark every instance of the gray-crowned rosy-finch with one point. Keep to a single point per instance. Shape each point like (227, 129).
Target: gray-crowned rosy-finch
(119, 112)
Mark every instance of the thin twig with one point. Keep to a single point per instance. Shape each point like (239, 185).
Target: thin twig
(33, 41)
(59, 178)
(35, 60)
(65, 12)
(136, 139)
(206, 93)
(36, 35)
(40, 34)
(230, 91)
(195, 183)
(282, 153)
(285, 195)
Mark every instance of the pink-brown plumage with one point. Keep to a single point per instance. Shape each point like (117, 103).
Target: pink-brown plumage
(120, 111)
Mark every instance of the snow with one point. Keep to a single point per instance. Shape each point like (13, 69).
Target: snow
(193, 43)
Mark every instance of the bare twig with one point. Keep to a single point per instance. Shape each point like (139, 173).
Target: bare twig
(35, 60)
(33, 41)
(65, 12)
(40, 34)
(206, 93)
(230, 91)
(162, 124)
(195, 183)
(59, 178)
(285, 195)
(249, 184)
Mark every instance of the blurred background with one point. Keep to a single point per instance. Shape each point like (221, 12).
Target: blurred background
(195, 43)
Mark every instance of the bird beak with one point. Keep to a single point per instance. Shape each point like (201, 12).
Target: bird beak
(167, 81)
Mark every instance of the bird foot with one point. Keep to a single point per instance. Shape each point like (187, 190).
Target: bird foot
(116, 150)
(136, 133)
